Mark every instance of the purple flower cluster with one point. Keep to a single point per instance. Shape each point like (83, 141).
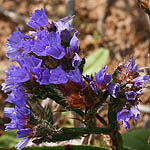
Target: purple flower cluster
(16, 76)
(131, 84)
(54, 41)
(46, 41)
(104, 82)
(38, 19)
(126, 114)
(125, 85)
(19, 116)
(48, 58)
(59, 76)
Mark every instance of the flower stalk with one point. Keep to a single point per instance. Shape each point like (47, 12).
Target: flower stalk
(116, 138)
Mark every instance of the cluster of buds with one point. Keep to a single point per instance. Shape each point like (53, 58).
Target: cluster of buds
(131, 84)
(49, 66)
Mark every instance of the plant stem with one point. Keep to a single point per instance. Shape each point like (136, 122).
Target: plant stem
(72, 133)
(117, 143)
(95, 130)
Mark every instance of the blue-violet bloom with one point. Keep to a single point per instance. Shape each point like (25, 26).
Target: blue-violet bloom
(15, 76)
(131, 67)
(49, 45)
(126, 114)
(139, 81)
(38, 19)
(74, 43)
(15, 44)
(76, 61)
(102, 79)
(17, 97)
(130, 95)
(114, 89)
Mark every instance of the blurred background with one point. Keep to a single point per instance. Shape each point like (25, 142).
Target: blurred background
(119, 27)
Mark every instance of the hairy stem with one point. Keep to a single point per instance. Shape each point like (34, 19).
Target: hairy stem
(117, 143)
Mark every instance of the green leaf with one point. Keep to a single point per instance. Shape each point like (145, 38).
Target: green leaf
(137, 139)
(9, 139)
(67, 147)
(96, 61)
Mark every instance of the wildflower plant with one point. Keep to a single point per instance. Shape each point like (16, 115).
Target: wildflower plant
(50, 66)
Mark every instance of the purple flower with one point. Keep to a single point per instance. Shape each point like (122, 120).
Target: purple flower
(64, 25)
(130, 66)
(16, 38)
(91, 83)
(12, 53)
(18, 116)
(67, 33)
(135, 114)
(87, 78)
(15, 76)
(130, 95)
(38, 19)
(24, 132)
(99, 77)
(74, 43)
(27, 45)
(75, 75)
(32, 64)
(10, 86)
(45, 75)
(49, 45)
(53, 76)
(126, 114)
(8, 112)
(139, 81)
(58, 76)
(76, 61)
(15, 43)
(102, 79)
(114, 89)
(17, 97)
(93, 87)
(40, 34)
(22, 144)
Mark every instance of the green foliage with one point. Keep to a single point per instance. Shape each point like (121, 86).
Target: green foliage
(96, 61)
(9, 139)
(137, 139)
